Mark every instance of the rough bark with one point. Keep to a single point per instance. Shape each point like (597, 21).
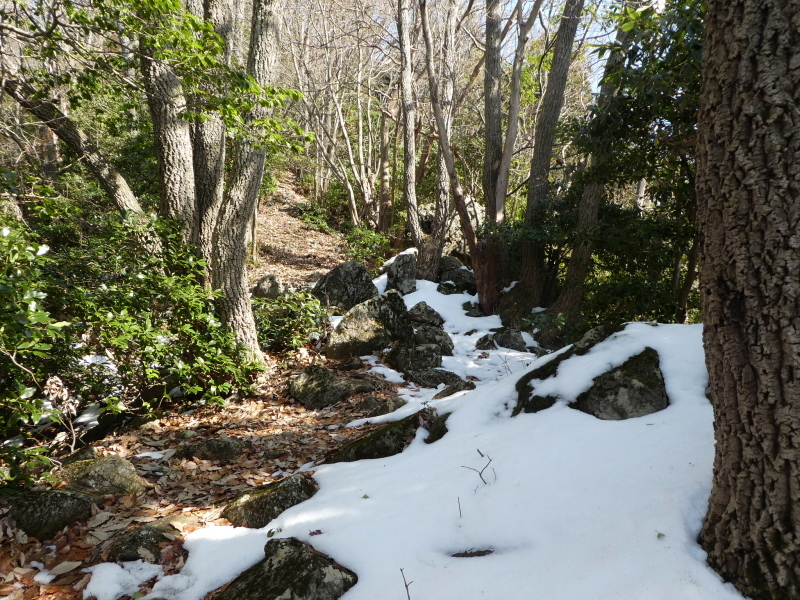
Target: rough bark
(748, 215)
(492, 107)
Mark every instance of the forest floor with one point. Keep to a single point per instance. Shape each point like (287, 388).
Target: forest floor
(283, 436)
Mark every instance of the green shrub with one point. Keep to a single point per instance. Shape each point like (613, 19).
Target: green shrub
(290, 321)
(368, 247)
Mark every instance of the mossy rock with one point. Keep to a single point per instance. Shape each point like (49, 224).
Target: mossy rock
(317, 387)
(437, 428)
(256, 508)
(415, 358)
(389, 406)
(433, 377)
(222, 449)
(147, 537)
(454, 388)
(345, 286)
(428, 334)
(633, 389)
(291, 570)
(422, 313)
(387, 441)
(43, 514)
(104, 475)
(401, 275)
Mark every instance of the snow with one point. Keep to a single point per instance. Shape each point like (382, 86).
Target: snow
(111, 581)
(571, 506)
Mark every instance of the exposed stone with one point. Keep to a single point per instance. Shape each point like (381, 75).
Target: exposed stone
(433, 377)
(345, 286)
(142, 543)
(402, 274)
(317, 387)
(510, 338)
(462, 280)
(43, 514)
(449, 263)
(437, 428)
(594, 336)
(370, 326)
(256, 508)
(104, 475)
(414, 358)
(222, 448)
(85, 453)
(513, 307)
(386, 441)
(270, 287)
(351, 364)
(485, 342)
(472, 310)
(421, 312)
(369, 402)
(454, 388)
(634, 389)
(291, 570)
(428, 334)
(391, 405)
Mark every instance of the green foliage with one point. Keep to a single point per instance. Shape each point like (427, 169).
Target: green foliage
(289, 322)
(314, 216)
(368, 247)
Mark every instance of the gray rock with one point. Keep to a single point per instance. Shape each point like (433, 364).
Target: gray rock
(454, 388)
(437, 428)
(43, 514)
(345, 286)
(256, 508)
(104, 475)
(485, 342)
(472, 310)
(222, 448)
(85, 453)
(461, 279)
(634, 389)
(510, 338)
(414, 358)
(402, 274)
(433, 377)
(142, 543)
(449, 263)
(387, 441)
(422, 313)
(428, 334)
(317, 387)
(370, 326)
(391, 405)
(270, 287)
(291, 570)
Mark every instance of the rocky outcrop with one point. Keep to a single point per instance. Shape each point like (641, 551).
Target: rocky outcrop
(507, 337)
(386, 441)
(345, 286)
(402, 274)
(421, 313)
(414, 358)
(142, 543)
(104, 475)
(317, 387)
(291, 570)
(428, 334)
(389, 406)
(433, 377)
(633, 389)
(256, 508)
(219, 449)
(370, 326)
(455, 278)
(43, 514)
(270, 287)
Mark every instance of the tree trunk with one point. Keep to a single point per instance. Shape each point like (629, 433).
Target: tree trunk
(749, 207)
(492, 108)
(533, 261)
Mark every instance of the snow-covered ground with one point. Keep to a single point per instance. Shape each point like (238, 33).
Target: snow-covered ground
(571, 506)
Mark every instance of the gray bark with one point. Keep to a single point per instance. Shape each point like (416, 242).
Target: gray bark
(748, 188)
(492, 107)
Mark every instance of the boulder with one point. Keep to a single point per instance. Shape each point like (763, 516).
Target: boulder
(270, 287)
(433, 377)
(453, 388)
(460, 278)
(428, 334)
(104, 475)
(387, 441)
(423, 314)
(43, 514)
(317, 387)
(414, 358)
(221, 448)
(256, 508)
(437, 428)
(391, 405)
(485, 342)
(291, 570)
(402, 274)
(472, 310)
(510, 338)
(345, 286)
(633, 389)
(142, 543)
(370, 326)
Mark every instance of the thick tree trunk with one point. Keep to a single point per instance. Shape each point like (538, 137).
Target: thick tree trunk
(748, 215)
(492, 108)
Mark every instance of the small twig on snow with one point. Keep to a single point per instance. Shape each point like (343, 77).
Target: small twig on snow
(407, 584)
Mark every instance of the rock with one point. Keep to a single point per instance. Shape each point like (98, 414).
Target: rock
(391, 405)
(433, 377)
(472, 310)
(104, 475)
(369, 402)
(454, 388)
(43, 514)
(633, 389)
(485, 342)
(462, 280)
(386, 441)
(291, 570)
(142, 543)
(402, 274)
(414, 358)
(510, 338)
(317, 387)
(422, 313)
(437, 428)
(222, 448)
(513, 307)
(345, 286)
(428, 334)
(256, 508)
(270, 287)
(352, 364)
(594, 336)
(371, 326)
(449, 263)
(85, 453)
